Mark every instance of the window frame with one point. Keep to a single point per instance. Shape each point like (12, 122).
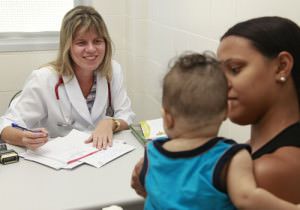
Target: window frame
(33, 41)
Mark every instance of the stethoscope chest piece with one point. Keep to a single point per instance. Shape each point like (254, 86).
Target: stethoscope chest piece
(109, 111)
(65, 125)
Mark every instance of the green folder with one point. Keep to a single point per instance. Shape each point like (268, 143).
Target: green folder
(137, 131)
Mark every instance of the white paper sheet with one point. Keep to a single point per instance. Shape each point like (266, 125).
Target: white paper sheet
(104, 156)
(48, 161)
(68, 148)
(70, 151)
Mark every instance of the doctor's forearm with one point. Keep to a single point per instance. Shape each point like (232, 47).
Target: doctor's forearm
(12, 136)
(123, 125)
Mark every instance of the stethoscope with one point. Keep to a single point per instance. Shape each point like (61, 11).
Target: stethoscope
(68, 117)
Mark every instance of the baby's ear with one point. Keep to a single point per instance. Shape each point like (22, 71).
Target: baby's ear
(167, 118)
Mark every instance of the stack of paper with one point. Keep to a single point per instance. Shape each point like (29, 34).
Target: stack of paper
(70, 151)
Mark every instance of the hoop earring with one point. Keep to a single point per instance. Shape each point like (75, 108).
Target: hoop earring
(282, 79)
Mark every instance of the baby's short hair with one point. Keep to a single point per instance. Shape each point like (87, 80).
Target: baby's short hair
(195, 88)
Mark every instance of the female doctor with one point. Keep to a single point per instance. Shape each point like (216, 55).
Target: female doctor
(82, 89)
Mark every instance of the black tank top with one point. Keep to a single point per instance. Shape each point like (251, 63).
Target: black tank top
(288, 137)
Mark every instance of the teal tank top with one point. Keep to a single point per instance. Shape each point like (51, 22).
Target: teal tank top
(188, 180)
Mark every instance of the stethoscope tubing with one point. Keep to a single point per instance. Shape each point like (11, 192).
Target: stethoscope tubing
(69, 122)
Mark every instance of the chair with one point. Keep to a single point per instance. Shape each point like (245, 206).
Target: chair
(14, 97)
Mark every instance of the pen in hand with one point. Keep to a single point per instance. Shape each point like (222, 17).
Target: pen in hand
(15, 125)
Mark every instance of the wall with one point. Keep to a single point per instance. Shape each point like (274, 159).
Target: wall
(157, 30)
(15, 67)
(147, 34)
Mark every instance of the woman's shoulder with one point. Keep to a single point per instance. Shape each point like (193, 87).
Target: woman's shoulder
(45, 70)
(285, 156)
(288, 137)
(279, 173)
(45, 73)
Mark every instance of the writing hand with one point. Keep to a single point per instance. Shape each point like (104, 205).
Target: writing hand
(35, 139)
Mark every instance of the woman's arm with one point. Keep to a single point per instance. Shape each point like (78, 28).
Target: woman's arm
(242, 187)
(123, 115)
(279, 173)
(120, 100)
(30, 140)
(27, 109)
(102, 136)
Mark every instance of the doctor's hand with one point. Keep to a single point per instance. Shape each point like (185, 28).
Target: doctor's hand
(34, 140)
(102, 135)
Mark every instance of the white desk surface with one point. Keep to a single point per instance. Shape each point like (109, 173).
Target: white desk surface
(28, 185)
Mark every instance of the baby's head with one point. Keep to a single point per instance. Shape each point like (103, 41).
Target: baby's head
(195, 91)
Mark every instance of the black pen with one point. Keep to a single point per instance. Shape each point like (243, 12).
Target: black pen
(15, 125)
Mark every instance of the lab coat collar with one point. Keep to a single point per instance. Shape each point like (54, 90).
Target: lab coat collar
(101, 99)
(76, 97)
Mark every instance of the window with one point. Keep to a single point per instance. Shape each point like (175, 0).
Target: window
(28, 25)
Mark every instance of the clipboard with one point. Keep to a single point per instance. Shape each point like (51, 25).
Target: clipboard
(137, 131)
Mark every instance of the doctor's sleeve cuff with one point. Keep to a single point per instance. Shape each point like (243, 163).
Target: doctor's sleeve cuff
(4, 123)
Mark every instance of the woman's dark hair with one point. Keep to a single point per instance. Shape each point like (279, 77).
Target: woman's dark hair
(270, 36)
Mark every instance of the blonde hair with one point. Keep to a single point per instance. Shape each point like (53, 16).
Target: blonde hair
(83, 18)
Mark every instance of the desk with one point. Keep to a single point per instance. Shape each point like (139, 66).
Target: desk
(28, 185)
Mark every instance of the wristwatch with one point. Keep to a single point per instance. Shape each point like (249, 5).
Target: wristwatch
(116, 124)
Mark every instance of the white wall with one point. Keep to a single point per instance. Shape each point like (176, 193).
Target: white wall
(15, 67)
(147, 34)
(157, 30)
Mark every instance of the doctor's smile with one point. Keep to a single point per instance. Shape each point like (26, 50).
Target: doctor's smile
(87, 50)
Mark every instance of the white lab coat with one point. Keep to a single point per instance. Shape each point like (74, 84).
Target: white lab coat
(37, 105)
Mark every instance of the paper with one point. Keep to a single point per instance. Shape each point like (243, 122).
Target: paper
(102, 157)
(48, 161)
(113, 207)
(42, 160)
(68, 148)
(153, 129)
(70, 151)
